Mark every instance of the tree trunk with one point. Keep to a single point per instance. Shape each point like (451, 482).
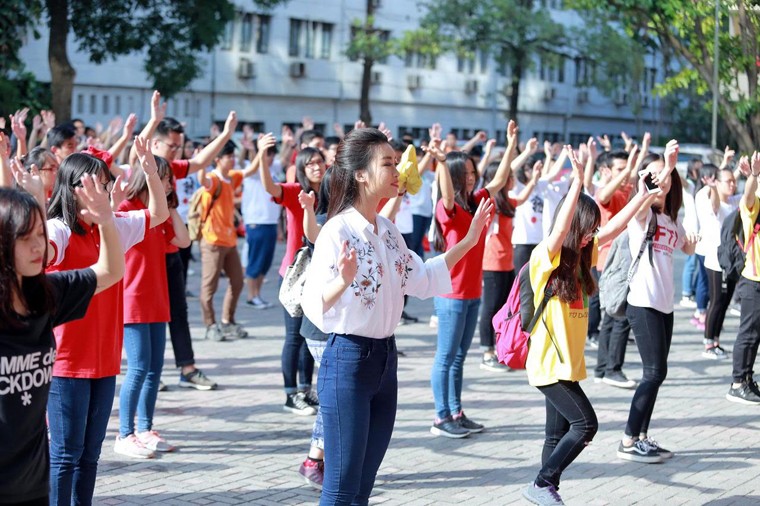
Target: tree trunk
(514, 89)
(61, 72)
(364, 113)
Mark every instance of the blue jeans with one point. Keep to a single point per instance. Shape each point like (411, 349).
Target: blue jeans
(297, 362)
(78, 411)
(456, 326)
(144, 344)
(703, 287)
(261, 242)
(689, 278)
(421, 225)
(358, 389)
(317, 348)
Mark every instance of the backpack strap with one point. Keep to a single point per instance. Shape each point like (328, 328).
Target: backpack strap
(648, 241)
(755, 230)
(214, 198)
(548, 294)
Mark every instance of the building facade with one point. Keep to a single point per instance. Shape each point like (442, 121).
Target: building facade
(276, 67)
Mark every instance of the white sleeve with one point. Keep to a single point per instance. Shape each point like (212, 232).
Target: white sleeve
(132, 226)
(428, 279)
(58, 237)
(322, 270)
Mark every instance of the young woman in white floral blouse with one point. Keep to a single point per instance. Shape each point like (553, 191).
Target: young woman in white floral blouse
(359, 273)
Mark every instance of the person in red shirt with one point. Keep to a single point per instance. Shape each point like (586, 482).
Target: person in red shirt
(310, 167)
(146, 311)
(85, 369)
(458, 311)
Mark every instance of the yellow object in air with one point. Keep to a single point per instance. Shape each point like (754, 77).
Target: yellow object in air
(409, 174)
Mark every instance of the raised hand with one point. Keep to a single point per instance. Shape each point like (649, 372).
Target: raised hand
(482, 216)
(157, 109)
(490, 145)
(756, 164)
(145, 156)
(359, 124)
(115, 125)
(532, 145)
(645, 142)
(94, 200)
(631, 164)
(338, 129)
(604, 141)
(18, 127)
(37, 123)
(118, 193)
(728, 157)
(248, 132)
(48, 119)
(434, 132)
(482, 136)
(512, 131)
(744, 167)
(288, 138)
(709, 181)
(348, 263)
(385, 130)
(29, 181)
(307, 123)
(671, 155)
(434, 147)
(578, 166)
(230, 124)
(129, 125)
(2, 123)
(307, 200)
(535, 175)
(265, 142)
(628, 141)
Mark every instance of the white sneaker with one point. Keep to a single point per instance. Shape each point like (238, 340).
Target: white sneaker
(154, 442)
(130, 446)
(687, 302)
(433, 322)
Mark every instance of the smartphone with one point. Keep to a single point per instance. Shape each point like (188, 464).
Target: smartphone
(648, 182)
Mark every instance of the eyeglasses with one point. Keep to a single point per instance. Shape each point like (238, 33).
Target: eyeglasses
(171, 146)
(49, 169)
(314, 163)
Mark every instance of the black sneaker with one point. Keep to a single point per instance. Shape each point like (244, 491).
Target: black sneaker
(665, 454)
(618, 379)
(492, 364)
(639, 451)
(743, 394)
(408, 318)
(197, 380)
(311, 398)
(448, 427)
(296, 404)
(468, 424)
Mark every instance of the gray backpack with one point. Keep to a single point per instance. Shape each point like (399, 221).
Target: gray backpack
(619, 270)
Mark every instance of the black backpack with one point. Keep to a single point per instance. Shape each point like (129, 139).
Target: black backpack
(731, 250)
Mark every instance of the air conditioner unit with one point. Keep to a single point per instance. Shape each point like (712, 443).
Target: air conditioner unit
(413, 81)
(549, 94)
(471, 86)
(298, 69)
(376, 78)
(246, 70)
(582, 97)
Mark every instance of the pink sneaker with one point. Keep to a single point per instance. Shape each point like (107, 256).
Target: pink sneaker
(313, 473)
(154, 442)
(130, 446)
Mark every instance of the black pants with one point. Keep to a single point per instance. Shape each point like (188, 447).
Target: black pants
(594, 309)
(745, 347)
(496, 287)
(570, 426)
(186, 254)
(719, 301)
(179, 328)
(613, 341)
(296, 359)
(522, 255)
(654, 333)
(421, 225)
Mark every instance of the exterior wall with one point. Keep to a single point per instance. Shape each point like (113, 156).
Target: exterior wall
(329, 91)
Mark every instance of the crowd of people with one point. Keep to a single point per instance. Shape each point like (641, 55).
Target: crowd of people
(96, 233)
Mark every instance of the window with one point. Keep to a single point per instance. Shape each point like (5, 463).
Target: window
(483, 60)
(382, 35)
(187, 108)
(198, 108)
(246, 32)
(93, 104)
(552, 68)
(117, 104)
(229, 30)
(80, 104)
(466, 64)
(577, 138)
(310, 39)
(585, 72)
(550, 136)
(648, 82)
(414, 59)
(130, 104)
(262, 34)
(106, 105)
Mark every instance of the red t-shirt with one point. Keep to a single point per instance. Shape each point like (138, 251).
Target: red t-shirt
(617, 202)
(180, 168)
(289, 200)
(467, 274)
(498, 250)
(91, 347)
(146, 288)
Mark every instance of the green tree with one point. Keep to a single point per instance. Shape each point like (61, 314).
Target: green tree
(514, 32)
(686, 30)
(171, 32)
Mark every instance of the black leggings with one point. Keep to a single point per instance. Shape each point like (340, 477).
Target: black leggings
(496, 287)
(719, 301)
(570, 426)
(522, 255)
(654, 332)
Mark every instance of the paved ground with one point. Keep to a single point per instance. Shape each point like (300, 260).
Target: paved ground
(237, 446)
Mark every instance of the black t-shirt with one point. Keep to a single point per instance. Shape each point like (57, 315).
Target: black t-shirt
(26, 369)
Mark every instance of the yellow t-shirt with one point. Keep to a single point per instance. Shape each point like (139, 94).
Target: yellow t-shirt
(566, 323)
(752, 262)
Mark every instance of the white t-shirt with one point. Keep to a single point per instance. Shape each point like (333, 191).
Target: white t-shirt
(709, 225)
(552, 195)
(404, 221)
(652, 284)
(421, 203)
(690, 221)
(529, 216)
(185, 189)
(257, 206)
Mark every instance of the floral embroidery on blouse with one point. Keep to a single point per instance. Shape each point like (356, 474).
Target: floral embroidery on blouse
(366, 284)
(403, 267)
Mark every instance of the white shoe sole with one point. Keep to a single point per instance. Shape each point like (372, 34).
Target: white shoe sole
(197, 387)
(486, 367)
(711, 356)
(438, 432)
(629, 385)
(301, 412)
(633, 457)
(134, 455)
(739, 400)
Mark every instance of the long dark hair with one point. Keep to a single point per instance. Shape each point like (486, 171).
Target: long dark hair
(18, 213)
(37, 156)
(573, 258)
(707, 171)
(456, 161)
(355, 152)
(138, 183)
(501, 203)
(63, 203)
(303, 157)
(674, 198)
(323, 196)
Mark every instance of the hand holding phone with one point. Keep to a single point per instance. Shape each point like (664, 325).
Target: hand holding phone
(649, 183)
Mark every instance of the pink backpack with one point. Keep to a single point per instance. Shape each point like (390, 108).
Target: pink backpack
(510, 335)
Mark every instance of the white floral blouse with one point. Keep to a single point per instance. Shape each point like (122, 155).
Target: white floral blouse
(387, 270)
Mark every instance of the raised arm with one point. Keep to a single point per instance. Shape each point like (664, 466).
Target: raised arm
(157, 113)
(524, 195)
(442, 174)
(274, 189)
(157, 205)
(588, 175)
(477, 139)
(486, 158)
(181, 235)
(109, 268)
(482, 216)
(19, 130)
(505, 166)
(5, 162)
(604, 194)
(616, 224)
(748, 198)
(565, 214)
(310, 227)
(121, 143)
(530, 148)
(207, 154)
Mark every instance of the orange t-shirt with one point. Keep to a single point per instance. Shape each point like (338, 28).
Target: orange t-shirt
(219, 227)
(617, 202)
